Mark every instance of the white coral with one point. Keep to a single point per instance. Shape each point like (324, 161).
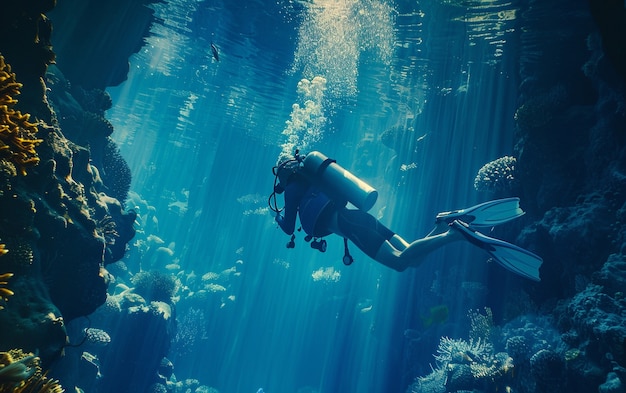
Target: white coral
(496, 175)
(461, 351)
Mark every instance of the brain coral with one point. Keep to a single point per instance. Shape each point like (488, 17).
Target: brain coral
(155, 286)
(17, 135)
(497, 175)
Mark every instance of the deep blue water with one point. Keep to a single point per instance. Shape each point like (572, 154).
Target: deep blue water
(201, 137)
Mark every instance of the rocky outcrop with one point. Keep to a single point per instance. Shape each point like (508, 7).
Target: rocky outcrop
(61, 200)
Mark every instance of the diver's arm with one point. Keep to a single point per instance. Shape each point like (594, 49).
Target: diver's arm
(292, 197)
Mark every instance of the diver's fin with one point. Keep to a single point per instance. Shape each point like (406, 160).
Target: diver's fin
(486, 214)
(512, 257)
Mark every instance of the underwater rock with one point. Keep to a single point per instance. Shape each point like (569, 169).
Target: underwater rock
(611, 21)
(528, 334)
(593, 322)
(57, 226)
(583, 236)
(132, 360)
(42, 328)
(517, 347)
(613, 384)
(459, 377)
(82, 120)
(548, 370)
(570, 125)
(25, 34)
(116, 227)
(77, 30)
(612, 275)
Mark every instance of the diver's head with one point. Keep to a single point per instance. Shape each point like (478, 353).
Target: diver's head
(286, 168)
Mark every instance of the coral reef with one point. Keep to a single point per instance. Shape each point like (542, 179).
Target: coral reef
(524, 355)
(548, 370)
(59, 222)
(84, 123)
(21, 372)
(468, 365)
(17, 135)
(155, 286)
(584, 235)
(25, 34)
(592, 321)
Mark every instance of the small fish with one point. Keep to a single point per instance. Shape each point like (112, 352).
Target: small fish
(97, 337)
(216, 54)
(437, 315)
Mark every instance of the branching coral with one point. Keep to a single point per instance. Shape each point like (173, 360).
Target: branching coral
(16, 368)
(468, 365)
(461, 351)
(21, 372)
(17, 135)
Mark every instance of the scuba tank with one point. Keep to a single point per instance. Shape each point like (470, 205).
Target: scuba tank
(337, 182)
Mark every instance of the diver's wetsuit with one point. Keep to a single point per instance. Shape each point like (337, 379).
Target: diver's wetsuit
(316, 211)
(313, 206)
(366, 232)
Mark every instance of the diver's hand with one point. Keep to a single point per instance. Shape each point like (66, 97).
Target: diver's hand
(278, 218)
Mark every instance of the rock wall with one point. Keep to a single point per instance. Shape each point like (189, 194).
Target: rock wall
(61, 208)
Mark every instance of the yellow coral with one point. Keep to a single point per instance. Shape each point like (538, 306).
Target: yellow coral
(4, 292)
(20, 372)
(17, 135)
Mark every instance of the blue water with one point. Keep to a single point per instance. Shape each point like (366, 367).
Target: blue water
(202, 135)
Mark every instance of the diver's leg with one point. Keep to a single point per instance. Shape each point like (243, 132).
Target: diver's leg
(422, 247)
(414, 254)
(440, 227)
(398, 242)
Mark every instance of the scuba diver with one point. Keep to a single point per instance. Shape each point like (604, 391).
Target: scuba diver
(318, 190)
